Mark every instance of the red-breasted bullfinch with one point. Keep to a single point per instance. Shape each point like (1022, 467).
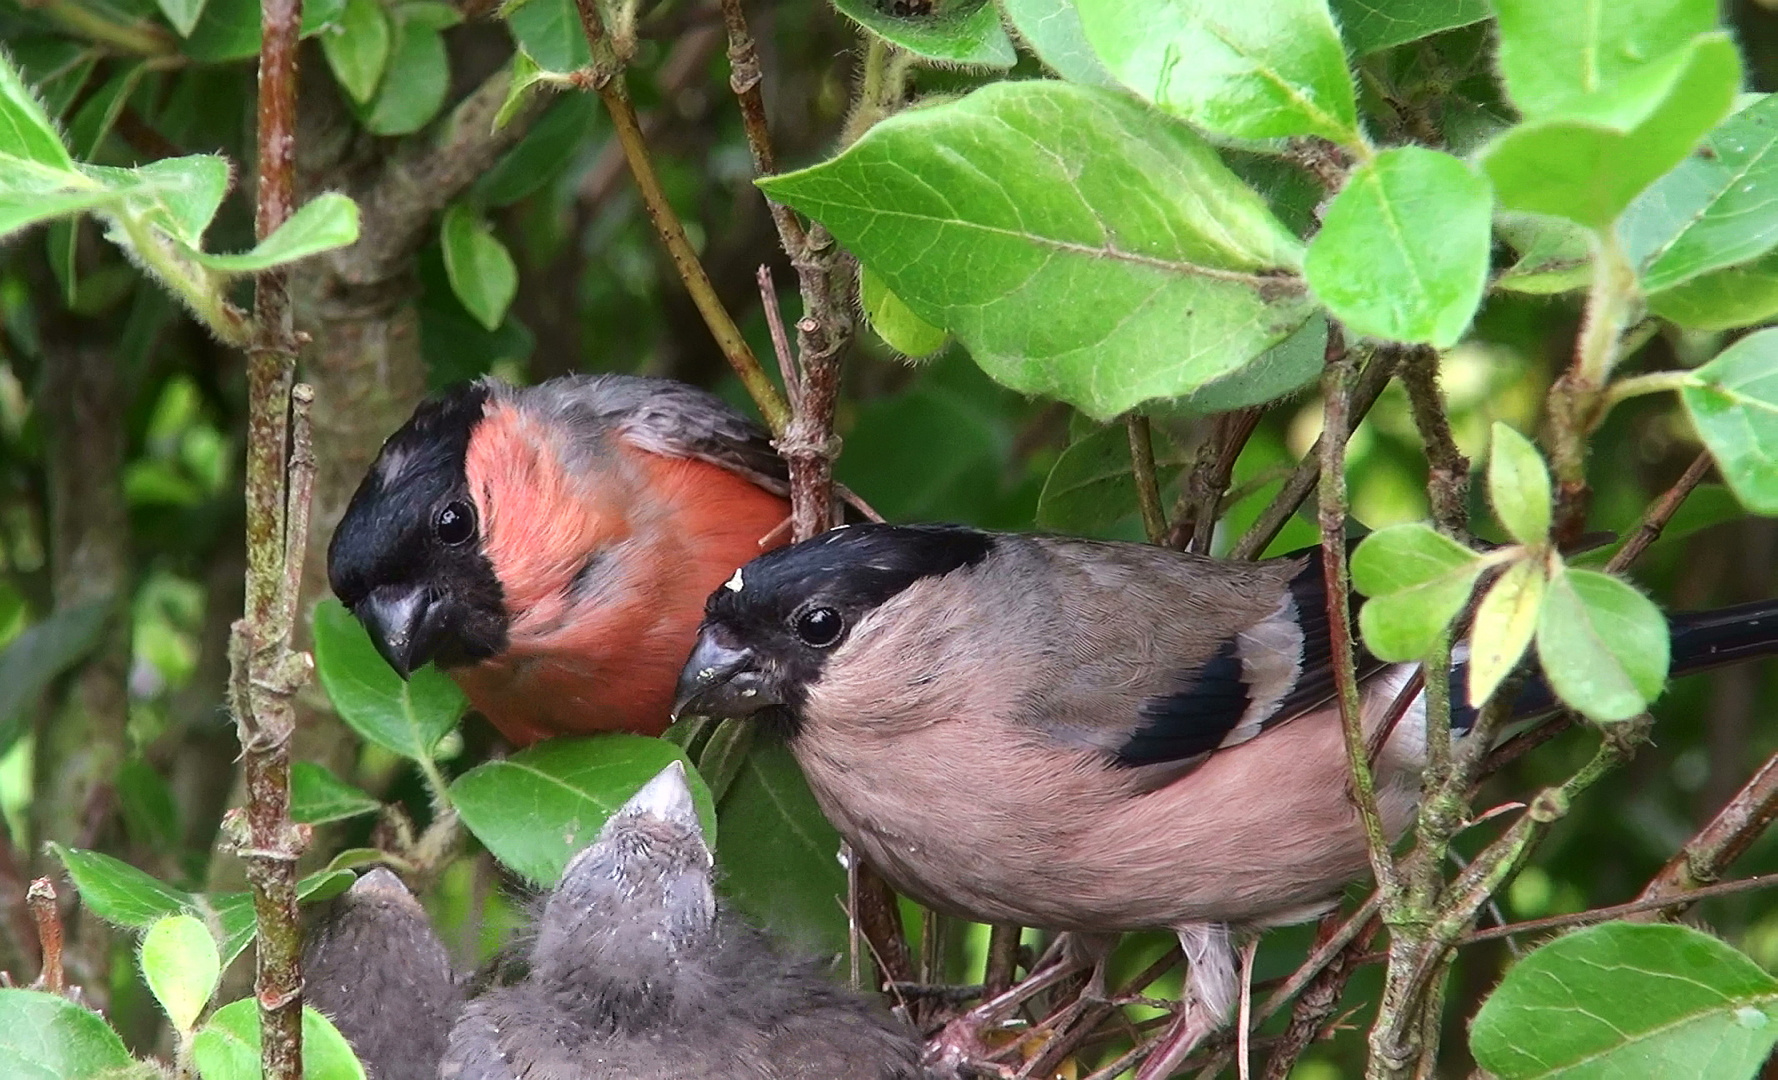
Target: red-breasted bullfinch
(635, 975)
(375, 967)
(551, 546)
(1084, 736)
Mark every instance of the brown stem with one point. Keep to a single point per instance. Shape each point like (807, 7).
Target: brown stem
(1194, 523)
(1148, 489)
(1313, 1008)
(263, 699)
(768, 298)
(606, 77)
(1734, 828)
(745, 79)
(1448, 484)
(1267, 526)
(41, 899)
(1003, 959)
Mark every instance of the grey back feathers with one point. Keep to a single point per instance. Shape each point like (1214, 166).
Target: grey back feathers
(634, 975)
(374, 966)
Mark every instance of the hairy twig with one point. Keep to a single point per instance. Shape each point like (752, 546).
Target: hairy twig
(606, 78)
(1265, 528)
(1448, 483)
(1148, 489)
(41, 899)
(268, 672)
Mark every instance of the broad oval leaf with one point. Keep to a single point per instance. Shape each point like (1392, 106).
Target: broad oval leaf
(549, 32)
(1079, 245)
(1518, 485)
(1052, 30)
(1719, 207)
(1251, 70)
(1554, 53)
(181, 965)
(1588, 165)
(228, 1046)
(47, 1037)
(1090, 488)
(894, 322)
(357, 50)
(1603, 645)
(1505, 621)
(407, 717)
(1403, 249)
(1725, 300)
(1648, 1000)
(1733, 402)
(416, 79)
(481, 272)
(26, 132)
(1283, 369)
(317, 796)
(535, 809)
(1372, 25)
(118, 892)
(183, 14)
(966, 32)
(1417, 580)
(324, 223)
(1555, 255)
(779, 856)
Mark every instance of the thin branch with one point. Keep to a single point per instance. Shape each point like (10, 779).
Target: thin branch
(1271, 521)
(1717, 845)
(1315, 1006)
(1448, 482)
(1194, 525)
(41, 899)
(768, 298)
(1003, 959)
(265, 721)
(745, 79)
(1148, 490)
(606, 77)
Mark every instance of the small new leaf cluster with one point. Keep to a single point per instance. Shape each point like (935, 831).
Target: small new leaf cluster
(1602, 645)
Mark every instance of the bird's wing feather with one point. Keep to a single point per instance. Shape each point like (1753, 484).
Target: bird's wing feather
(665, 417)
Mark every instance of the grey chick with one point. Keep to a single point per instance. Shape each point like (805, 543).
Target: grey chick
(374, 966)
(635, 976)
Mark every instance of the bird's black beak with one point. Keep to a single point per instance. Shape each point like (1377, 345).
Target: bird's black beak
(721, 680)
(396, 621)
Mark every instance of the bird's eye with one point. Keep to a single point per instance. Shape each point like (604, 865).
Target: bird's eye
(454, 523)
(819, 627)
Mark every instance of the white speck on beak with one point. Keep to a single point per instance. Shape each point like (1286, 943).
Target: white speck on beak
(732, 584)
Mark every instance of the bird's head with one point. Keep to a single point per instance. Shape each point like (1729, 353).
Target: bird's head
(408, 557)
(639, 896)
(770, 631)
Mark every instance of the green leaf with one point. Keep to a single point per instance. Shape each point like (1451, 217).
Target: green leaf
(1090, 487)
(1587, 165)
(415, 80)
(549, 30)
(723, 754)
(1505, 621)
(1282, 369)
(317, 796)
(1603, 645)
(358, 48)
(181, 966)
(35, 658)
(26, 132)
(408, 716)
(1052, 30)
(228, 1046)
(1079, 245)
(20, 210)
(779, 856)
(1733, 402)
(1717, 209)
(929, 454)
(1403, 248)
(967, 32)
(482, 274)
(1554, 53)
(1417, 580)
(1372, 25)
(1251, 70)
(535, 809)
(229, 29)
(1518, 485)
(324, 223)
(118, 892)
(182, 14)
(1725, 300)
(180, 196)
(899, 327)
(1555, 255)
(1647, 1000)
(554, 142)
(47, 1037)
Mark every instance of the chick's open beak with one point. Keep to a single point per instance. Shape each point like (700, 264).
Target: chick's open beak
(721, 680)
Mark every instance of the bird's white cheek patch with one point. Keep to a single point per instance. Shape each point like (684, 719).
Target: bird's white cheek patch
(732, 584)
